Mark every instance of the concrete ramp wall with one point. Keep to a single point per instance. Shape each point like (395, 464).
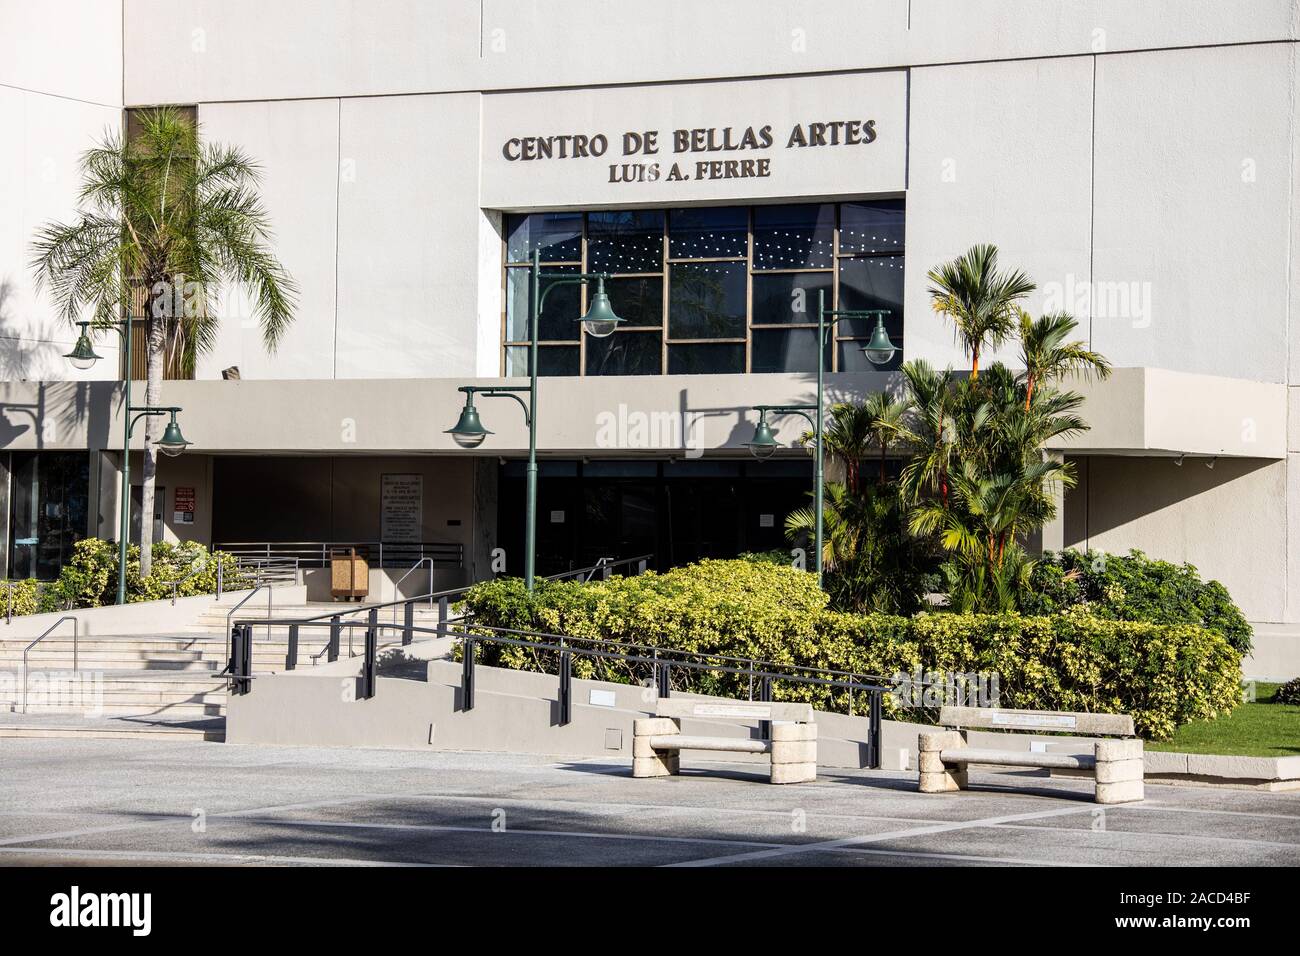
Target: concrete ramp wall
(514, 712)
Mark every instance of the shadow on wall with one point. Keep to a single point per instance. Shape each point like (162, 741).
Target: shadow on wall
(1120, 491)
(21, 358)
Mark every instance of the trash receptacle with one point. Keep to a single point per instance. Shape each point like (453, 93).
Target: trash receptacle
(349, 575)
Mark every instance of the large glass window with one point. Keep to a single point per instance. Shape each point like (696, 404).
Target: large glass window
(728, 289)
(49, 498)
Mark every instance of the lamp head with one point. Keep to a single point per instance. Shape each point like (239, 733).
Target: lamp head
(172, 442)
(764, 444)
(600, 319)
(83, 354)
(879, 350)
(469, 431)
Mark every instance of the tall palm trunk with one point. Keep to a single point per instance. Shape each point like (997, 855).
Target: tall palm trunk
(975, 361)
(1029, 389)
(157, 341)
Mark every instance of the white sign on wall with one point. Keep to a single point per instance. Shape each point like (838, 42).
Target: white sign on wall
(401, 508)
(817, 136)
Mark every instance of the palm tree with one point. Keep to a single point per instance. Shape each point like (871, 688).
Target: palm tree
(930, 429)
(843, 522)
(886, 416)
(848, 435)
(1045, 353)
(978, 298)
(983, 522)
(166, 218)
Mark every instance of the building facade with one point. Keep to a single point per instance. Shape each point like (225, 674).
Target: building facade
(726, 163)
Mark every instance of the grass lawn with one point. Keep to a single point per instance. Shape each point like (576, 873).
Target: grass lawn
(1259, 729)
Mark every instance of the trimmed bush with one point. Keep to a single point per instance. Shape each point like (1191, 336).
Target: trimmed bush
(1134, 587)
(26, 597)
(89, 577)
(1162, 674)
(1288, 693)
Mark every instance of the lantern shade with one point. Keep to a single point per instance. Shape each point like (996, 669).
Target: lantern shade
(172, 442)
(880, 350)
(469, 431)
(600, 319)
(83, 354)
(763, 444)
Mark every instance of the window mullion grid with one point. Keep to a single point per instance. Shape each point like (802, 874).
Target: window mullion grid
(663, 333)
(749, 289)
(582, 302)
(835, 296)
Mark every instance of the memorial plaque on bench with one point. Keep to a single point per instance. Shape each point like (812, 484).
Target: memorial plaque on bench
(1005, 719)
(732, 710)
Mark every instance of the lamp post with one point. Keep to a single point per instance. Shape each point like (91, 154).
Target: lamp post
(172, 443)
(469, 432)
(879, 351)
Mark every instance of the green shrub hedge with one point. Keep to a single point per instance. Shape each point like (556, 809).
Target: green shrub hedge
(1162, 674)
(1134, 587)
(89, 577)
(25, 595)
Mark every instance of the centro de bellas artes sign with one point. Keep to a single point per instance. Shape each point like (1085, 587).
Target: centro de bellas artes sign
(688, 154)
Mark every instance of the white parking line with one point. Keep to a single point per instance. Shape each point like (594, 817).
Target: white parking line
(882, 837)
(145, 856)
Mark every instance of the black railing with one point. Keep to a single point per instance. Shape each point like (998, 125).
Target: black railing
(659, 662)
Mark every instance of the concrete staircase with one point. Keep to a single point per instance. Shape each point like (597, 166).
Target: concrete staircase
(168, 679)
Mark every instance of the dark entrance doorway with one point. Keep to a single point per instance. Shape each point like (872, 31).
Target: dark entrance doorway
(677, 511)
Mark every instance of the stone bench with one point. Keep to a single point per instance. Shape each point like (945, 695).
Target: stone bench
(657, 742)
(1116, 765)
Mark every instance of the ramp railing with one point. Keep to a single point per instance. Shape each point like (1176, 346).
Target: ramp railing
(647, 664)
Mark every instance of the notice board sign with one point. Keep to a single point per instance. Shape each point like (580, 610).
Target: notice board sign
(401, 508)
(183, 511)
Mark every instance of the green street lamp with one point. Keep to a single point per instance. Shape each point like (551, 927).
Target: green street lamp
(469, 431)
(764, 444)
(172, 443)
(879, 350)
(83, 354)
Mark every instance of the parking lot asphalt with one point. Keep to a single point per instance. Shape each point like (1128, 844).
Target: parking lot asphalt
(125, 802)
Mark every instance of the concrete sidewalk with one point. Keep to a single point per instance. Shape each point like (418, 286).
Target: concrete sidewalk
(150, 802)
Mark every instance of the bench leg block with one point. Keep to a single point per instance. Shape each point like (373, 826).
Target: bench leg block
(935, 775)
(1126, 791)
(663, 764)
(794, 772)
(944, 781)
(794, 751)
(1119, 771)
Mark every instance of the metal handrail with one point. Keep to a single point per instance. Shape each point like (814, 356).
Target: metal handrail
(179, 581)
(316, 553)
(76, 630)
(244, 600)
(397, 588)
(566, 643)
(600, 565)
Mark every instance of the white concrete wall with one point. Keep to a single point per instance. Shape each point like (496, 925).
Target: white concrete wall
(1000, 153)
(296, 143)
(1193, 192)
(1230, 521)
(361, 47)
(408, 255)
(60, 89)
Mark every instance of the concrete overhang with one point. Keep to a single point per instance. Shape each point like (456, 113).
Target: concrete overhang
(1138, 411)
(1155, 411)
